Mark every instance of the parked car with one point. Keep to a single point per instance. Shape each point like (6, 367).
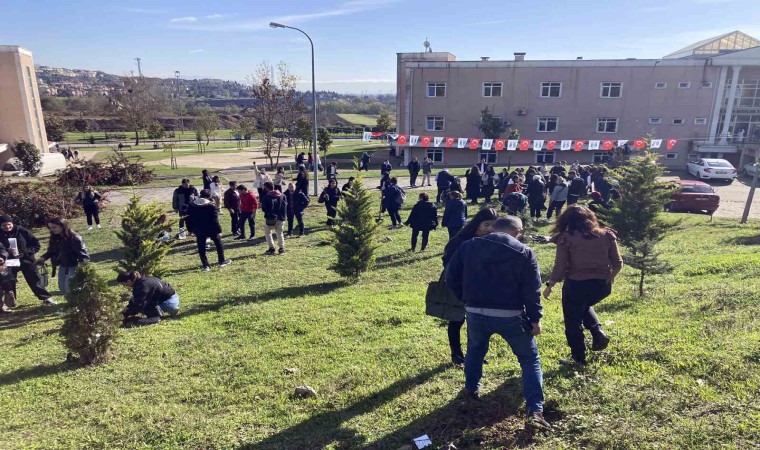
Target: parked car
(749, 170)
(693, 196)
(712, 169)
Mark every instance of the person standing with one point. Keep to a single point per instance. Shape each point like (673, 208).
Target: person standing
(332, 171)
(205, 219)
(275, 209)
(181, 200)
(414, 170)
(536, 196)
(488, 184)
(279, 179)
(297, 202)
(232, 204)
(385, 168)
(393, 200)
(330, 197)
(422, 218)
(483, 166)
(558, 198)
(443, 180)
(151, 297)
(248, 206)
(207, 180)
(427, 170)
(588, 260)
(301, 159)
(455, 214)
(7, 284)
(261, 178)
(66, 249)
(364, 162)
(302, 180)
(473, 184)
(577, 188)
(216, 191)
(498, 279)
(25, 246)
(90, 201)
(349, 184)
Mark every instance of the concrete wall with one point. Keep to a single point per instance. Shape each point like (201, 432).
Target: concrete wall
(20, 110)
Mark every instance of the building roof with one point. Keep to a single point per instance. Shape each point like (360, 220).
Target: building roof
(725, 43)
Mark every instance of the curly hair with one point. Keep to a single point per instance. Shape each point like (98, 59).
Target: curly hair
(578, 218)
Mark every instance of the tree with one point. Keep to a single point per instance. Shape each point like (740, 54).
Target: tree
(205, 123)
(355, 237)
(29, 157)
(140, 103)
(141, 224)
(643, 257)
(491, 127)
(56, 131)
(156, 131)
(93, 321)
(246, 128)
(384, 122)
(324, 140)
(304, 131)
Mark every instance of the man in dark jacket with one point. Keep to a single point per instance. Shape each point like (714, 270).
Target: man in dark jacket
(393, 200)
(443, 180)
(414, 170)
(275, 209)
(26, 247)
(499, 281)
(364, 162)
(423, 218)
(577, 188)
(181, 199)
(205, 219)
(385, 167)
(232, 203)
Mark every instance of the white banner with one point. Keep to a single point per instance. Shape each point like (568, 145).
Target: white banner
(367, 136)
(656, 143)
(462, 142)
(437, 141)
(593, 145)
(622, 142)
(565, 145)
(512, 144)
(487, 144)
(413, 140)
(538, 145)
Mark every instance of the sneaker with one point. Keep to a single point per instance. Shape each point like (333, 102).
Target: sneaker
(281, 251)
(239, 237)
(206, 269)
(226, 262)
(49, 301)
(536, 421)
(89, 228)
(98, 226)
(5, 309)
(457, 360)
(270, 252)
(473, 396)
(251, 238)
(579, 363)
(600, 341)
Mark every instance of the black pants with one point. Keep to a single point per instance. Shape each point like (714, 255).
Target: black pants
(413, 178)
(455, 338)
(554, 207)
(246, 217)
(578, 297)
(33, 279)
(331, 213)
(181, 220)
(92, 213)
(425, 234)
(535, 209)
(453, 231)
(201, 241)
(395, 216)
(441, 190)
(234, 220)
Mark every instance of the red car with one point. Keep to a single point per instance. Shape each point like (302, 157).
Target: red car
(694, 196)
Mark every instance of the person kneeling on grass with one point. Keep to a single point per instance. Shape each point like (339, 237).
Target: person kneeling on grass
(151, 299)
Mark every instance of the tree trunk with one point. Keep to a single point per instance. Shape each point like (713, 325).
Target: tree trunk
(137, 137)
(641, 284)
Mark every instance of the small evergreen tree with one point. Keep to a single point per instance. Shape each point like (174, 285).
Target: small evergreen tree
(491, 127)
(384, 122)
(324, 140)
(56, 131)
(643, 257)
(355, 237)
(90, 327)
(29, 157)
(140, 227)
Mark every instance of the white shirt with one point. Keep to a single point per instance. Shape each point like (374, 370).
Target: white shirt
(216, 189)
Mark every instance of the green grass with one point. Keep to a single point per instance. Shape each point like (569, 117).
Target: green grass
(360, 119)
(149, 157)
(75, 137)
(682, 371)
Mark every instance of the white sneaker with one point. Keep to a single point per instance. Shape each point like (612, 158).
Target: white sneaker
(90, 227)
(98, 226)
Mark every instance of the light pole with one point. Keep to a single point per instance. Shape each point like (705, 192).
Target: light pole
(313, 103)
(179, 104)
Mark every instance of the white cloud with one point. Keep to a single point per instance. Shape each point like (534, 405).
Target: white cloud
(215, 16)
(188, 19)
(197, 50)
(145, 11)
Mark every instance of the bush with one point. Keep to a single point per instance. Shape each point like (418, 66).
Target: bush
(55, 129)
(29, 156)
(91, 326)
(33, 204)
(118, 170)
(140, 227)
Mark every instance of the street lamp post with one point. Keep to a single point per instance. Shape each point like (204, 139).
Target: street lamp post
(313, 104)
(179, 104)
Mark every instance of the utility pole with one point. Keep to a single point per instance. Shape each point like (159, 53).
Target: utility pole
(179, 101)
(745, 215)
(139, 67)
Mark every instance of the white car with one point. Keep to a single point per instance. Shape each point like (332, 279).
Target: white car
(749, 170)
(712, 169)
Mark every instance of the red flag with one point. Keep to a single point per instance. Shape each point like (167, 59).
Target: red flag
(474, 143)
(524, 144)
(639, 143)
(401, 139)
(499, 144)
(607, 145)
(426, 141)
(550, 145)
(450, 142)
(671, 143)
(578, 146)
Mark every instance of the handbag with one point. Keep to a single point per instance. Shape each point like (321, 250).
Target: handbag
(441, 302)
(44, 276)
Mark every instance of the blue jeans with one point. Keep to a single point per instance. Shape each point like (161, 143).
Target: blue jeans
(64, 278)
(480, 328)
(170, 305)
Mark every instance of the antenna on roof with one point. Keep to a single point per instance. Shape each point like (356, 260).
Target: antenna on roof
(428, 48)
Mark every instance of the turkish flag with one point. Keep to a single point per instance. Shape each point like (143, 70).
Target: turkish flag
(671, 143)
(578, 145)
(524, 144)
(499, 144)
(550, 145)
(474, 143)
(401, 139)
(426, 141)
(450, 142)
(607, 145)
(639, 143)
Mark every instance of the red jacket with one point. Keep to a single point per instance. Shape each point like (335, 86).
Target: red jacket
(514, 187)
(248, 202)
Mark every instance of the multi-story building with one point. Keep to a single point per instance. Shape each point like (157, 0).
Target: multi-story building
(686, 95)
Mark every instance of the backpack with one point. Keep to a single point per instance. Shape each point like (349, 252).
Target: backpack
(401, 196)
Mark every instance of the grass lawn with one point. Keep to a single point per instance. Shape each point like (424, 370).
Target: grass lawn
(75, 137)
(148, 157)
(360, 119)
(682, 371)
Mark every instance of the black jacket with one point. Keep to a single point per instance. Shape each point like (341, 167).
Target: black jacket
(232, 199)
(147, 293)
(424, 216)
(302, 181)
(473, 185)
(386, 167)
(28, 245)
(330, 196)
(393, 196)
(536, 192)
(455, 214)
(274, 206)
(577, 187)
(67, 252)
(297, 201)
(414, 167)
(444, 179)
(204, 217)
(89, 201)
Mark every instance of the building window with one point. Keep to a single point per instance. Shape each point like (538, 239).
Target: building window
(606, 125)
(545, 157)
(678, 121)
(551, 90)
(434, 123)
(547, 124)
(706, 85)
(671, 155)
(491, 89)
(660, 85)
(611, 90)
(435, 154)
(684, 85)
(655, 120)
(436, 89)
(601, 157)
(700, 121)
(489, 156)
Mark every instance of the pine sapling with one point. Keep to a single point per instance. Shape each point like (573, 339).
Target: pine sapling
(141, 225)
(355, 237)
(643, 257)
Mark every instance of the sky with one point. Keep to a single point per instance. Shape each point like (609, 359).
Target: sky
(355, 41)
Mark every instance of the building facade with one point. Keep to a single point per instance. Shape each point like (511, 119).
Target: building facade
(685, 96)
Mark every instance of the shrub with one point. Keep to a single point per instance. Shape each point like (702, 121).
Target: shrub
(356, 234)
(33, 204)
(29, 156)
(55, 129)
(91, 326)
(117, 170)
(140, 227)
